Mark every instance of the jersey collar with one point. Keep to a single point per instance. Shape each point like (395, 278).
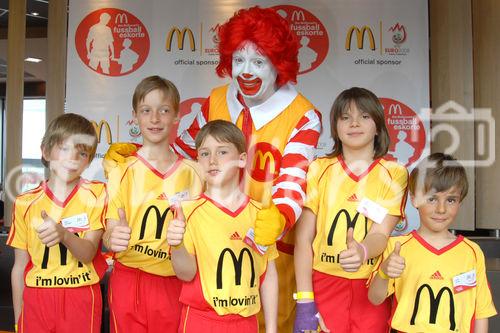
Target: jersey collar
(265, 112)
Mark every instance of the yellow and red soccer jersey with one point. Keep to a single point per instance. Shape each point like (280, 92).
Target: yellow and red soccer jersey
(82, 211)
(333, 195)
(425, 298)
(147, 196)
(229, 271)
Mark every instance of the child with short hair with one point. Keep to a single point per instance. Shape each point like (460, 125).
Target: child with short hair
(143, 289)
(226, 280)
(56, 232)
(354, 200)
(438, 279)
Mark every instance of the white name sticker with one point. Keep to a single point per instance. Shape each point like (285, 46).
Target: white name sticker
(464, 281)
(76, 223)
(250, 241)
(372, 210)
(176, 199)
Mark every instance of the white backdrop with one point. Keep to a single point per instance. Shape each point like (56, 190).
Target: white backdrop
(381, 45)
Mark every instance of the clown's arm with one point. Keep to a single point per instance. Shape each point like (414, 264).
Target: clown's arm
(289, 188)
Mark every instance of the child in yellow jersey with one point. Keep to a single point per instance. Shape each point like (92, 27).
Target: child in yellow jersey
(56, 232)
(225, 279)
(438, 279)
(143, 290)
(354, 199)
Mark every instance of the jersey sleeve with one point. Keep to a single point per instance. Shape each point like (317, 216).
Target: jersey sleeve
(184, 144)
(98, 212)
(396, 191)
(484, 302)
(289, 188)
(115, 190)
(312, 197)
(18, 235)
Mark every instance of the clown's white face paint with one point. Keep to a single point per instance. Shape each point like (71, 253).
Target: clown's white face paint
(254, 74)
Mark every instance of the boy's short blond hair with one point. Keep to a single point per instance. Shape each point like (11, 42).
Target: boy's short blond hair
(438, 172)
(65, 126)
(150, 83)
(222, 131)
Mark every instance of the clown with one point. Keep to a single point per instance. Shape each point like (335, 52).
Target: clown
(259, 52)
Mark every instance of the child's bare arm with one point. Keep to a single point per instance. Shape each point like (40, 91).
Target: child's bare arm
(481, 325)
(392, 268)
(269, 297)
(184, 263)
(21, 259)
(303, 258)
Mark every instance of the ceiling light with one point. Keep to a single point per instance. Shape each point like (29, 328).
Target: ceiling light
(35, 13)
(30, 59)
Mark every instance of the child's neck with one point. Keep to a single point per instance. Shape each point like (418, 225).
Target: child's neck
(61, 189)
(358, 160)
(439, 239)
(160, 157)
(230, 197)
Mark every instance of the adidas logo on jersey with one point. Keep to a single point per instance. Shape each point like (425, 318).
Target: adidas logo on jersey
(162, 196)
(353, 198)
(235, 236)
(436, 276)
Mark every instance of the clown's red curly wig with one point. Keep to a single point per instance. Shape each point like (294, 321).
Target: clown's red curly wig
(270, 32)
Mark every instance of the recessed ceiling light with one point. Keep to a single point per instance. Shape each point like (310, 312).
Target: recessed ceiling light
(35, 13)
(30, 59)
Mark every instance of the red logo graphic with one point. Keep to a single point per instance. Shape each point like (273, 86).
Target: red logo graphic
(235, 236)
(188, 110)
(353, 198)
(112, 41)
(264, 162)
(406, 131)
(436, 276)
(399, 33)
(162, 196)
(311, 33)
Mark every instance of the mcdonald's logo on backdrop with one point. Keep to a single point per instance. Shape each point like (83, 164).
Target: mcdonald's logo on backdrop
(434, 305)
(121, 18)
(360, 36)
(350, 223)
(181, 37)
(395, 109)
(98, 130)
(160, 221)
(238, 266)
(298, 15)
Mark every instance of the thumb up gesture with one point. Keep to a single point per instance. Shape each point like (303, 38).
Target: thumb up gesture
(119, 236)
(176, 228)
(394, 265)
(352, 258)
(50, 232)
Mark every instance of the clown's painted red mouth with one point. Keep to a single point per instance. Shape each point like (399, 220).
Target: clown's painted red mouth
(249, 87)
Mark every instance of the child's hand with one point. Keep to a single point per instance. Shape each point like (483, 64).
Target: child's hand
(50, 232)
(352, 258)
(120, 234)
(394, 265)
(176, 228)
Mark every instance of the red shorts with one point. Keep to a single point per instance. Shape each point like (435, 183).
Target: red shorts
(71, 310)
(344, 305)
(195, 321)
(143, 302)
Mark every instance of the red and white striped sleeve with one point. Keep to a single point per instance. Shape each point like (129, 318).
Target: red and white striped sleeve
(184, 143)
(289, 189)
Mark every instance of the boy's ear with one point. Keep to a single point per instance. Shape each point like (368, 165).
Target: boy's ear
(134, 115)
(45, 154)
(242, 162)
(417, 199)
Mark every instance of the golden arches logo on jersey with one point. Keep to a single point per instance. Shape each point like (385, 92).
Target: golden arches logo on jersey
(63, 256)
(360, 37)
(103, 124)
(181, 38)
(264, 162)
(350, 223)
(434, 302)
(159, 217)
(238, 266)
